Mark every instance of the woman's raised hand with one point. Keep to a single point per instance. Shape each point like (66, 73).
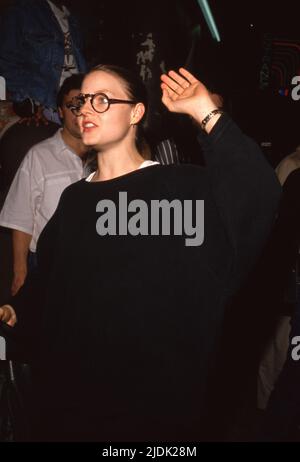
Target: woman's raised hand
(183, 93)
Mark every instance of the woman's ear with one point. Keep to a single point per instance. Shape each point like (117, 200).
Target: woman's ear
(137, 113)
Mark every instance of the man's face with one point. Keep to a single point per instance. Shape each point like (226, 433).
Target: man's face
(70, 122)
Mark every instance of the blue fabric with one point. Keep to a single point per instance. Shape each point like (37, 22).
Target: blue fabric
(32, 51)
(52, 115)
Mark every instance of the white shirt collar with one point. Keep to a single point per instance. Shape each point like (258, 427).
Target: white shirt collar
(146, 163)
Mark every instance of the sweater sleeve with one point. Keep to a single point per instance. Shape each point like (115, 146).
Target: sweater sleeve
(246, 192)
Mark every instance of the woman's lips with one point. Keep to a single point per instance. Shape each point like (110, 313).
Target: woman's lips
(88, 126)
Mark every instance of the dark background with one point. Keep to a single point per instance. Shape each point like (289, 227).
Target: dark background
(248, 67)
(251, 67)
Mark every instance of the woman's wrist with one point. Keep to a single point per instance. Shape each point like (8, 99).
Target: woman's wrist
(210, 120)
(207, 119)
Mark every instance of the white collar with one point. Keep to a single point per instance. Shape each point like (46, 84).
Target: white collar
(146, 163)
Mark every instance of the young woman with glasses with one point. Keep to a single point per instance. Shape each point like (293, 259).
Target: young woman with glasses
(130, 304)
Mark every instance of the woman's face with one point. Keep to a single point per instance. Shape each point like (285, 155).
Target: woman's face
(103, 130)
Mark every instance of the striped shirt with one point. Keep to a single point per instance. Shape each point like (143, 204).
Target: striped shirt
(166, 152)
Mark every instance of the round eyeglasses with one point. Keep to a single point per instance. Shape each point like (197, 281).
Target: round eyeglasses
(100, 102)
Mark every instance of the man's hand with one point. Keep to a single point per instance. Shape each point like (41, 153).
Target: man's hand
(18, 280)
(8, 315)
(183, 93)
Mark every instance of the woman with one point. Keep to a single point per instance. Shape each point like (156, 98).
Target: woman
(133, 299)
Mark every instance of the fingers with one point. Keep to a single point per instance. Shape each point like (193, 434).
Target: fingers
(8, 315)
(171, 84)
(167, 90)
(5, 314)
(175, 82)
(166, 99)
(188, 76)
(180, 80)
(12, 320)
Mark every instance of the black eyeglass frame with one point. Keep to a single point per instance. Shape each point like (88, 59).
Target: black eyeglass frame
(70, 106)
(83, 96)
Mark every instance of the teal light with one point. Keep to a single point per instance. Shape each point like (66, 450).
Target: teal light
(209, 19)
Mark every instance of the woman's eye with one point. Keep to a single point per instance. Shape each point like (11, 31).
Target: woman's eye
(78, 101)
(102, 100)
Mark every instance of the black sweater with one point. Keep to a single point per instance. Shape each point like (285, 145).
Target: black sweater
(131, 323)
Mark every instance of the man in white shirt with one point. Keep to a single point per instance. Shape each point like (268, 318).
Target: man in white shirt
(47, 169)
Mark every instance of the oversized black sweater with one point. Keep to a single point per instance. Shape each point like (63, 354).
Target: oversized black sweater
(131, 323)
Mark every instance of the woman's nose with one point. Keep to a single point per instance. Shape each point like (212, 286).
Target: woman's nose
(87, 106)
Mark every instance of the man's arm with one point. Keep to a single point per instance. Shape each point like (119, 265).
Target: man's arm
(283, 170)
(21, 243)
(25, 311)
(18, 214)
